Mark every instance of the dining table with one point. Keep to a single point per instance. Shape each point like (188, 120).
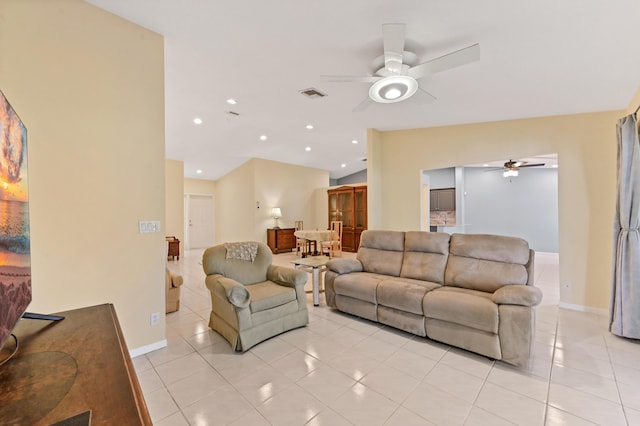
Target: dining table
(313, 237)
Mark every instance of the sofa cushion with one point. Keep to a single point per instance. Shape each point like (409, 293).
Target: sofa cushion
(486, 262)
(381, 252)
(482, 275)
(383, 240)
(404, 294)
(497, 248)
(268, 295)
(358, 285)
(425, 256)
(465, 307)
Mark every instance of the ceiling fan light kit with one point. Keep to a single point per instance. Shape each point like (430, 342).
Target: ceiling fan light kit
(395, 88)
(397, 80)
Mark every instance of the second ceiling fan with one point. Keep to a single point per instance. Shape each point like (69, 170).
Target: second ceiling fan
(511, 167)
(398, 79)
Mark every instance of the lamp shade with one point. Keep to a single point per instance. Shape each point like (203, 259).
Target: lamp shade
(276, 213)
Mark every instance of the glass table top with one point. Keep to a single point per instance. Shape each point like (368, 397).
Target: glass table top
(312, 261)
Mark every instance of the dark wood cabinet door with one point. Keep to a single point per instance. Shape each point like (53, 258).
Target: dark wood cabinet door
(349, 205)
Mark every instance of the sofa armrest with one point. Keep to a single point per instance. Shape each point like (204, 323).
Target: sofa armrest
(286, 276)
(237, 294)
(176, 280)
(524, 295)
(344, 266)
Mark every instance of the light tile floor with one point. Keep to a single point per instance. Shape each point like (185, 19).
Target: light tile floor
(341, 370)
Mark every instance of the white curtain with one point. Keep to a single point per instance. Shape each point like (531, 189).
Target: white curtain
(625, 280)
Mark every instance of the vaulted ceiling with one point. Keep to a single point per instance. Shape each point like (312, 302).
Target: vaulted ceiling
(540, 58)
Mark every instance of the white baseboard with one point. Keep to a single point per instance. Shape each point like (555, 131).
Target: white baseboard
(582, 308)
(148, 348)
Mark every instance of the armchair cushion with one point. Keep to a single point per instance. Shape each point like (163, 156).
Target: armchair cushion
(266, 295)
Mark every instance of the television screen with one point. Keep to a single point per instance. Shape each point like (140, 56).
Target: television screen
(15, 253)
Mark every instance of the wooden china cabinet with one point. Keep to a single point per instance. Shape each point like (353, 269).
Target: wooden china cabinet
(349, 204)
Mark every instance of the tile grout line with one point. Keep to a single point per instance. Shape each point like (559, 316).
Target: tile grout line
(615, 378)
(553, 358)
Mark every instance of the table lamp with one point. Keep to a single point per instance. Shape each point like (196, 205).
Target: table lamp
(277, 214)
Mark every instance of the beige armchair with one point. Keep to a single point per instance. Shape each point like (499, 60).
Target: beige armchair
(172, 287)
(251, 299)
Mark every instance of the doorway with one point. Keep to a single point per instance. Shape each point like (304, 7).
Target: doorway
(199, 221)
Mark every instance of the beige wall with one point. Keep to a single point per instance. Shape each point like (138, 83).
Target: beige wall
(174, 200)
(200, 186)
(291, 188)
(235, 205)
(270, 184)
(89, 87)
(586, 148)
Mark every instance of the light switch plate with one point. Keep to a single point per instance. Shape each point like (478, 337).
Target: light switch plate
(148, 226)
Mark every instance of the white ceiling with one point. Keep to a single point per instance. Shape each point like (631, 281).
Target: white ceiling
(538, 58)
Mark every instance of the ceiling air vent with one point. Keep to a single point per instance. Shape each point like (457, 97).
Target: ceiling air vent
(232, 113)
(312, 93)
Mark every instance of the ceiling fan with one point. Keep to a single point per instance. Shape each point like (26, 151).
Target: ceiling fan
(511, 167)
(396, 80)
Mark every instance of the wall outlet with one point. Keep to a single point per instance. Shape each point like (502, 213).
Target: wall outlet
(155, 318)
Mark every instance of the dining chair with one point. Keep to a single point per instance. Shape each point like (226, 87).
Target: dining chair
(334, 245)
(301, 243)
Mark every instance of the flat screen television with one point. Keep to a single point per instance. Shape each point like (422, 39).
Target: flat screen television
(15, 241)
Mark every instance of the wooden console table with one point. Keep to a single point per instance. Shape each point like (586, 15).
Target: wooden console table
(281, 239)
(68, 367)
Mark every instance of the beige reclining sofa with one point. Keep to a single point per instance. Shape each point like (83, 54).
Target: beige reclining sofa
(471, 291)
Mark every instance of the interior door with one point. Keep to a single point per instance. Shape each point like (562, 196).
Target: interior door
(200, 221)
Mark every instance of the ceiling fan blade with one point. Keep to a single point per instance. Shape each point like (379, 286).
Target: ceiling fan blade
(350, 78)
(393, 38)
(532, 165)
(366, 103)
(445, 62)
(424, 97)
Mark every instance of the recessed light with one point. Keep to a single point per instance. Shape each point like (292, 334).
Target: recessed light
(354, 141)
(485, 165)
(197, 120)
(308, 149)
(231, 101)
(199, 171)
(343, 165)
(263, 137)
(309, 126)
